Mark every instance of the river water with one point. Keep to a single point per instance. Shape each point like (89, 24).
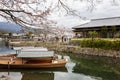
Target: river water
(79, 67)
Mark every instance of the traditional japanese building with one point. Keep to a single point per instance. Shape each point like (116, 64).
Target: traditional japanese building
(105, 27)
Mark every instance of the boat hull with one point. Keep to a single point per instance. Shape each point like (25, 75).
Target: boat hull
(31, 66)
(38, 65)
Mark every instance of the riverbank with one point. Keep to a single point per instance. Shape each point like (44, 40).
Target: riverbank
(71, 49)
(87, 51)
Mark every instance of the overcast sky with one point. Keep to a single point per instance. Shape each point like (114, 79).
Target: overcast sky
(103, 9)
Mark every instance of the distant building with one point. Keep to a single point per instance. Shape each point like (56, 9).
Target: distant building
(109, 25)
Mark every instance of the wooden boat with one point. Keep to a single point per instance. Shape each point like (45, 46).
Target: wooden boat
(20, 63)
(8, 55)
(26, 59)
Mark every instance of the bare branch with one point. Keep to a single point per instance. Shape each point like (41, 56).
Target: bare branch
(69, 10)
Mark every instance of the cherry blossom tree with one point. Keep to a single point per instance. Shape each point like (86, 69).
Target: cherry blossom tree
(26, 12)
(35, 12)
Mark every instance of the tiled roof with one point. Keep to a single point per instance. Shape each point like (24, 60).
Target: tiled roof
(100, 22)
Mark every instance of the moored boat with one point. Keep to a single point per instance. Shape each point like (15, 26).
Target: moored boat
(7, 55)
(32, 59)
(19, 63)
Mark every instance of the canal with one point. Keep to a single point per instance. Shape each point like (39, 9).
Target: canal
(79, 67)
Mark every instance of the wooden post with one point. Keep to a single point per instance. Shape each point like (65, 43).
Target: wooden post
(8, 65)
(22, 60)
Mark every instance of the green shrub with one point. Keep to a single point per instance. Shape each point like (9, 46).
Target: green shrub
(98, 43)
(75, 42)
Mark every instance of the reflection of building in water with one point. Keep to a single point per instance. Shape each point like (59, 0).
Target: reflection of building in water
(73, 76)
(10, 76)
(45, 76)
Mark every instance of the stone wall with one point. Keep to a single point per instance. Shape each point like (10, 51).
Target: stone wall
(87, 51)
(72, 49)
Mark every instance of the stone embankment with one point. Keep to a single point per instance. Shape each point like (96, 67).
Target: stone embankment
(73, 49)
(86, 51)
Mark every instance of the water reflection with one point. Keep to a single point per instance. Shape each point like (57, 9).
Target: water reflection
(78, 68)
(44, 76)
(73, 76)
(65, 73)
(70, 66)
(11, 76)
(4, 49)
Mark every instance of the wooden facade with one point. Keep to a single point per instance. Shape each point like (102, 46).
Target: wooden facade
(112, 26)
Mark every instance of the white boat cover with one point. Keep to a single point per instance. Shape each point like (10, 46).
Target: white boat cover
(35, 49)
(35, 54)
(30, 49)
